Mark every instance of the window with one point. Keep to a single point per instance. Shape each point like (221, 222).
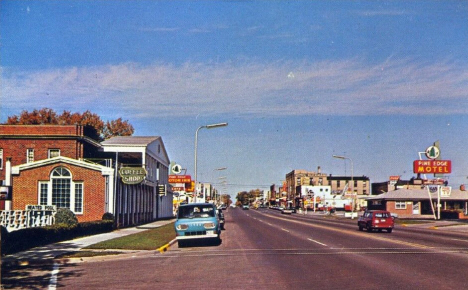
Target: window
(79, 197)
(1, 158)
(43, 189)
(30, 155)
(54, 153)
(400, 204)
(62, 191)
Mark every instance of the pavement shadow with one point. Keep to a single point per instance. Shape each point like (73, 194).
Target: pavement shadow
(33, 269)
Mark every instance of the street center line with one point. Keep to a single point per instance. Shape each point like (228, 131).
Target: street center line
(317, 242)
(53, 278)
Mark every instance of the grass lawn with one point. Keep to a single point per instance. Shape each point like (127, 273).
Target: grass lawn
(151, 239)
(412, 222)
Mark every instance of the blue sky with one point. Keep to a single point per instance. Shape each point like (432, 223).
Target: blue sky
(297, 81)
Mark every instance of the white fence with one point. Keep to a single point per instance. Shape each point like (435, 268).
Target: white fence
(20, 219)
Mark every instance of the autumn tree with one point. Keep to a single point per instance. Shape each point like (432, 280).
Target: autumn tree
(117, 128)
(101, 130)
(36, 117)
(226, 199)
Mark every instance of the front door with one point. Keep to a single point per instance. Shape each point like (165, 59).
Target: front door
(416, 209)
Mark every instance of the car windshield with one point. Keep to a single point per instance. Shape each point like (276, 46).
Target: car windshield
(195, 211)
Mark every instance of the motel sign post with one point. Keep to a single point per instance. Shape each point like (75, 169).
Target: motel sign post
(434, 166)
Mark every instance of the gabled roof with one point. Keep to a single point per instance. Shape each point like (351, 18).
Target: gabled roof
(152, 145)
(138, 141)
(418, 194)
(61, 159)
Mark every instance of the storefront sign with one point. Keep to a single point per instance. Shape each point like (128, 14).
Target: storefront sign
(432, 166)
(132, 175)
(180, 178)
(41, 207)
(445, 191)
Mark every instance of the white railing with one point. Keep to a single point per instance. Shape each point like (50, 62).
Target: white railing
(14, 220)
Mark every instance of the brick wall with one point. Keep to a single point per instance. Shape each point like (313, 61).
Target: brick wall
(41, 130)
(26, 189)
(401, 212)
(15, 140)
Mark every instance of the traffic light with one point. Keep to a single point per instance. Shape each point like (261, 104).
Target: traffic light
(190, 186)
(162, 189)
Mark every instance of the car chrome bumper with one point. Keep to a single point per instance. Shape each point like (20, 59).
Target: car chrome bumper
(207, 236)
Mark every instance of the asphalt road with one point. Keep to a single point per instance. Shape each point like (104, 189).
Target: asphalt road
(266, 250)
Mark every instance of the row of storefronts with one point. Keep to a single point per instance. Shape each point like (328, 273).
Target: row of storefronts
(414, 198)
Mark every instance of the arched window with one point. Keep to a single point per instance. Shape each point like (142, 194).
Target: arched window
(61, 191)
(61, 187)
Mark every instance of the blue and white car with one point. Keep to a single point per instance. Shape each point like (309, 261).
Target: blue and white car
(197, 221)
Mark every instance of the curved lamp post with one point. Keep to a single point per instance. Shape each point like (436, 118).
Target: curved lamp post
(352, 182)
(211, 126)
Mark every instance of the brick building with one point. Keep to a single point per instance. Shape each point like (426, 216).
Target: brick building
(295, 179)
(65, 167)
(46, 165)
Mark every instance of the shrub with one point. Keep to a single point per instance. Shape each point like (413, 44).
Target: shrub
(108, 217)
(24, 239)
(4, 237)
(65, 216)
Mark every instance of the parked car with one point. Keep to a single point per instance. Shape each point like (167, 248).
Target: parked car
(287, 211)
(245, 206)
(197, 221)
(376, 220)
(222, 221)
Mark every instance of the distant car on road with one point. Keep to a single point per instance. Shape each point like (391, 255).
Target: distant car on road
(197, 221)
(222, 221)
(376, 220)
(245, 206)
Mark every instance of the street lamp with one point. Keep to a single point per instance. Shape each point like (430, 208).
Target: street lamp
(216, 196)
(211, 126)
(352, 181)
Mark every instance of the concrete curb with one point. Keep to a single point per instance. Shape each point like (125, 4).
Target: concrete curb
(164, 248)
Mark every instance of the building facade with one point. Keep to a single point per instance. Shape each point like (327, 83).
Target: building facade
(62, 166)
(422, 202)
(359, 186)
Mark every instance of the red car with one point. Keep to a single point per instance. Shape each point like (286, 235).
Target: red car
(376, 220)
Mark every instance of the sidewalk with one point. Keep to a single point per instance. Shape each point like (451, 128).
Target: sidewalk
(442, 225)
(45, 254)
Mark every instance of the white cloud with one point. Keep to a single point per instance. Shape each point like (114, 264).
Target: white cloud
(331, 87)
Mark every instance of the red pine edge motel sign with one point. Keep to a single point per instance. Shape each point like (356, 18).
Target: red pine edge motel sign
(432, 166)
